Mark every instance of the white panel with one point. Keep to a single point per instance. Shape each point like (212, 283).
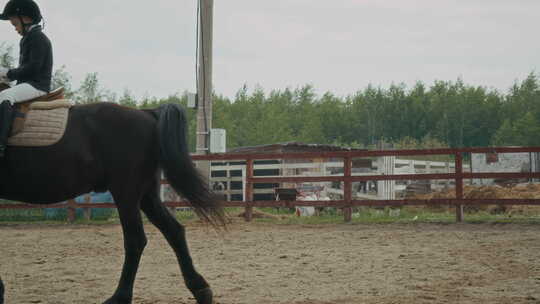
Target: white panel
(218, 141)
(191, 100)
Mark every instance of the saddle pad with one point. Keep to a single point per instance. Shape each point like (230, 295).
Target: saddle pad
(50, 105)
(41, 128)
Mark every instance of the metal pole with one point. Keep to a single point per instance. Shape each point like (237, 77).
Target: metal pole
(204, 84)
(204, 105)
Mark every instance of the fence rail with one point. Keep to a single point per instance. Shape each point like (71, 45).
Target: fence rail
(347, 203)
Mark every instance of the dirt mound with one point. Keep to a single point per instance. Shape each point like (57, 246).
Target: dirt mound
(524, 191)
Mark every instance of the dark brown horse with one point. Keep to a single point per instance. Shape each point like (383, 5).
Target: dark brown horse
(115, 148)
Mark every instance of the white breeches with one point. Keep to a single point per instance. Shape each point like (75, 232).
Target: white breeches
(21, 92)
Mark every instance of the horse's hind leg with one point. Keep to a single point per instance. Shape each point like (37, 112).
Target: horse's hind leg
(134, 243)
(174, 232)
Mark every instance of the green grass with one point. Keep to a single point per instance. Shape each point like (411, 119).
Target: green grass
(28, 215)
(380, 216)
(362, 215)
(101, 216)
(51, 215)
(185, 216)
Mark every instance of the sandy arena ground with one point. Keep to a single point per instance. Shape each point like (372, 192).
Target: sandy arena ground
(271, 264)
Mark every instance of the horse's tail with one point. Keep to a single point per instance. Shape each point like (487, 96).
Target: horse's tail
(179, 169)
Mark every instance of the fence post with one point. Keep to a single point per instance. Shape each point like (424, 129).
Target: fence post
(347, 188)
(249, 190)
(87, 211)
(71, 210)
(459, 186)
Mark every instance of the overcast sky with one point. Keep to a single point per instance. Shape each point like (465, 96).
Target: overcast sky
(336, 45)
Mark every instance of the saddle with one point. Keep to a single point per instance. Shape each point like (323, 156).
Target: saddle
(41, 121)
(22, 108)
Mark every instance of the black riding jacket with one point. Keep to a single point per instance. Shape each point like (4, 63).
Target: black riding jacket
(35, 61)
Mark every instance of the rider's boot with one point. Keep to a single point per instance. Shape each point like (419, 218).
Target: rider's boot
(6, 120)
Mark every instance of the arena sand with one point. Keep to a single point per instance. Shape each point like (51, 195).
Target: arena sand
(274, 264)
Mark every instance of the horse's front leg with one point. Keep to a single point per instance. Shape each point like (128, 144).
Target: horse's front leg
(1, 292)
(134, 243)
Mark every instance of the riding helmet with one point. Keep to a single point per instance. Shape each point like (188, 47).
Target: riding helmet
(27, 8)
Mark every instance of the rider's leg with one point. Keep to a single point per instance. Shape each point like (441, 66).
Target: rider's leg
(18, 93)
(21, 92)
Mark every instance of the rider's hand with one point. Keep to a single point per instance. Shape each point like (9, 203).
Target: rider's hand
(3, 72)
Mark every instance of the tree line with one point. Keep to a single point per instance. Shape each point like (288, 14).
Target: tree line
(443, 114)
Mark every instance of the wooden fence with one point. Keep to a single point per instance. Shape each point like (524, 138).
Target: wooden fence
(228, 177)
(347, 203)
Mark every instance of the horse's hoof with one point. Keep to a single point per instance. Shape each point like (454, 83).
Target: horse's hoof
(204, 296)
(115, 300)
(111, 301)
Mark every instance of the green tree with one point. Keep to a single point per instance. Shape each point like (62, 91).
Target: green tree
(127, 99)
(90, 90)
(61, 78)
(7, 60)
(526, 130)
